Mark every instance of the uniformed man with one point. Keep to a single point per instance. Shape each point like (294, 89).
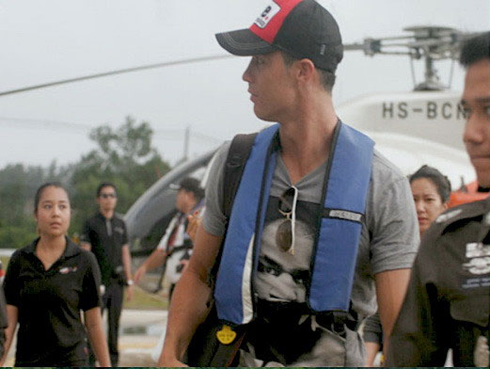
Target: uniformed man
(105, 235)
(447, 303)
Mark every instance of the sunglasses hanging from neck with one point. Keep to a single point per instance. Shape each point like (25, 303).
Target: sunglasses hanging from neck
(285, 236)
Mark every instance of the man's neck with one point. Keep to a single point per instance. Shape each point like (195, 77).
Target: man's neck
(108, 214)
(306, 130)
(189, 207)
(306, 145)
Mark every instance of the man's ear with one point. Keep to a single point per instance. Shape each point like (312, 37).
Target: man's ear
(306, 69)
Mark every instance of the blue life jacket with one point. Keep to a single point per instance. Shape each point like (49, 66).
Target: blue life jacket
(338, 230)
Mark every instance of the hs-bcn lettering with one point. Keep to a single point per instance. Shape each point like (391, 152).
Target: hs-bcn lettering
(431, 110)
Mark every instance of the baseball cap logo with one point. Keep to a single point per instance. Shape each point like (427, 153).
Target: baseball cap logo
(266, 11)
(266, 16)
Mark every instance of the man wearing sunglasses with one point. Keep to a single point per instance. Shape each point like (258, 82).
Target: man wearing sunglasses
(321, 226)
(105, 235)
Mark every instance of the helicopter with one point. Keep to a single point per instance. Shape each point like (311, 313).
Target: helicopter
(422, 126)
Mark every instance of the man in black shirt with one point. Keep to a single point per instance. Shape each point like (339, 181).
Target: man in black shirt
(447, 302)
(105, 235)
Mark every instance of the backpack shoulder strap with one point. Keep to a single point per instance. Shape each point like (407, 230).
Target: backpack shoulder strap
(204, 349)
(240, 149)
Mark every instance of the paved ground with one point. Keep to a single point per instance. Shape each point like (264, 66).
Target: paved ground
(140, 332)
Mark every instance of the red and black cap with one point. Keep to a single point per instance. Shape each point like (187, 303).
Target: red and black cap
(302, 28)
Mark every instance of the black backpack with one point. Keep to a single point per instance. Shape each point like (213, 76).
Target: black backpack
(240, 148)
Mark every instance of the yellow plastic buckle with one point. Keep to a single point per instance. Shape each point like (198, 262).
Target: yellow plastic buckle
(226, 335)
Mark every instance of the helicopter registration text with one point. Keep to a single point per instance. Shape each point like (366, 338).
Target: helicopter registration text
(448, 110)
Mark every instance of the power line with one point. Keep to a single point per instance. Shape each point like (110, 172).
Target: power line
(205, 137)
(115, 72)
(159, 134)
(45, 124)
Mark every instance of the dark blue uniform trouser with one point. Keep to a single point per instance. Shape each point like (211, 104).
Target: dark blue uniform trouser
(112, 300)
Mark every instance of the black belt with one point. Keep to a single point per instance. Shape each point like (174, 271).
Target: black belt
(336, 321)
(273, 311)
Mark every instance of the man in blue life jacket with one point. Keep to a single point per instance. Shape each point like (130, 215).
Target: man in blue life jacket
(322, 229)
(447, 302)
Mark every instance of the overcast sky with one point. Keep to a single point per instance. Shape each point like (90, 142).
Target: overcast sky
(50, 40)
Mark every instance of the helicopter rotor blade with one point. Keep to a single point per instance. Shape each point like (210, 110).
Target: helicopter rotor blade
(115, 72)
(436, 43)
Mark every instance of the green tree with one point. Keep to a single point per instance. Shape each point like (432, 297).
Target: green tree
(124, 156)
(18, 185)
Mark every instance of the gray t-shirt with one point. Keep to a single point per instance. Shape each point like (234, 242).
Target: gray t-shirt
(389, 236)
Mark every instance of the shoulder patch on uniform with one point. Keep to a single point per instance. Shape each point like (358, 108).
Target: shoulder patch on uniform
(448, 215)
(478, 255)
(487, 219)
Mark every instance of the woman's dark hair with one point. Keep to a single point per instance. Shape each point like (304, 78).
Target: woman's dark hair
(40, 190)
(441, 182)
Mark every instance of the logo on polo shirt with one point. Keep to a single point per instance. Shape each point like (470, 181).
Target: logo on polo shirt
(67, 270)
(266, 16)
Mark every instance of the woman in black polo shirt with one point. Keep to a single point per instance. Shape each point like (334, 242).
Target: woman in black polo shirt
(47, 284)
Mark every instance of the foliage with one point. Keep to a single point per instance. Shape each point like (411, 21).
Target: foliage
(18, 185)
(17, 236)
(145, 301)
(124, 156)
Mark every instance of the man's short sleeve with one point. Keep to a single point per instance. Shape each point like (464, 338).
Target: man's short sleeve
(125, 238)
(394, 229)
(214, 221)
(85, 235)
(91, 283)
